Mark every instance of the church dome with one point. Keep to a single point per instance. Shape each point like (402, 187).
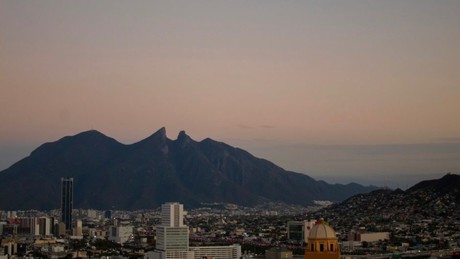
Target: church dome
(321, 230)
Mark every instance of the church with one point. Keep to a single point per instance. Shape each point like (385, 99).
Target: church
(322, 242)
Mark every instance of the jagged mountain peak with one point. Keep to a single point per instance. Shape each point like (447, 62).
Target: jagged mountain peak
(161, 133)
(158, 136)
(182, 135)
(183, 138)
(155, 170)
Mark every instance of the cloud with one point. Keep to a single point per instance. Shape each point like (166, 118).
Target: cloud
(243, 126)
(264, 126)
(449, 140)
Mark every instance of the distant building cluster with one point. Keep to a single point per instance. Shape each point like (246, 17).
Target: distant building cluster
(215, 231)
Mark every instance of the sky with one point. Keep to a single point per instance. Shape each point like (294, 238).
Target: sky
(363, 91)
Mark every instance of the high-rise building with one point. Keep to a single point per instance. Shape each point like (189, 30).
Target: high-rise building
(45, 226)
(172, 214)
(67, 202)
(173, 239)
(172, 234)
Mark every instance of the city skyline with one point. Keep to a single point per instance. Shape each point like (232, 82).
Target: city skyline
(357, 91)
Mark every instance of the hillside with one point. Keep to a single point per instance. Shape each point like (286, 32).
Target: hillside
(109, 174)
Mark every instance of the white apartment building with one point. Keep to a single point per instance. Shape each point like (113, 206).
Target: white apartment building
(217, 252)
(120, 234)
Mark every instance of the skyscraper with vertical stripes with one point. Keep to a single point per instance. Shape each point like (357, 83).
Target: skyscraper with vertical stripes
(67, 202)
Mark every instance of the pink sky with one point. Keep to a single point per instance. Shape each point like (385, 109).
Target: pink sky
(256, 74)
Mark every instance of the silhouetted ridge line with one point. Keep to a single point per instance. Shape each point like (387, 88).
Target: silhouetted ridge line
(145, 174)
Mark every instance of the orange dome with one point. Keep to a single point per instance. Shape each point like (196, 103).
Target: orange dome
(321, 231)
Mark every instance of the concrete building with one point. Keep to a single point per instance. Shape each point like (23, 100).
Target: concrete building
(278, 253)
(172, 214)
(10, 248)
(322, 242)
(60, 229)
(78, 229)
(120, 234)
(217, 252)
(26, 226)
(368, 236)
(45, 226)
(299, 230)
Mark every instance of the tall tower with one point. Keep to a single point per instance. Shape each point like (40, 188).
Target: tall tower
(172, 214)
(67, 202)
(172, 234)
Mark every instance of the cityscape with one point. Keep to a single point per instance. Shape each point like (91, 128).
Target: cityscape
(230, 231)
(242, 129)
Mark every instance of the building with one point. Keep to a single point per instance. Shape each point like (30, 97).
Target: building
(10, 247)
(172, 239)
(45, 226)
(92, 214)
(217, 252)
(67, 202)
(172, 214)
(27, 226)
(108, 214)
(120, 234)
(278, 253)
(322, 242)
(172, 234)
(299, 230)
(368, 236)
(78, 229)
(60, 229)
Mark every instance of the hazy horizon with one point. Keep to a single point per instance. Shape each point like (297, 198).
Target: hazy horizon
(363, 91)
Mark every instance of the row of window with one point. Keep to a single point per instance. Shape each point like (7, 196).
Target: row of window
(322, 247)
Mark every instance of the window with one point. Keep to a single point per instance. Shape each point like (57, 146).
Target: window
(312, 247)
(332, 247)
(321, 247)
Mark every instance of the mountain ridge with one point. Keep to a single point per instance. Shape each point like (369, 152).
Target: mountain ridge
(156, 169)
(436, 200)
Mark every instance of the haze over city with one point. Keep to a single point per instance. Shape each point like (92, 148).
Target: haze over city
(363, 91)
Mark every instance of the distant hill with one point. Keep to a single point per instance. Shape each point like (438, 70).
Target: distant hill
(432, 199)
(108, 174)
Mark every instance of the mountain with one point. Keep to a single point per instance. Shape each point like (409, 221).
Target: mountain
(108, 174)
